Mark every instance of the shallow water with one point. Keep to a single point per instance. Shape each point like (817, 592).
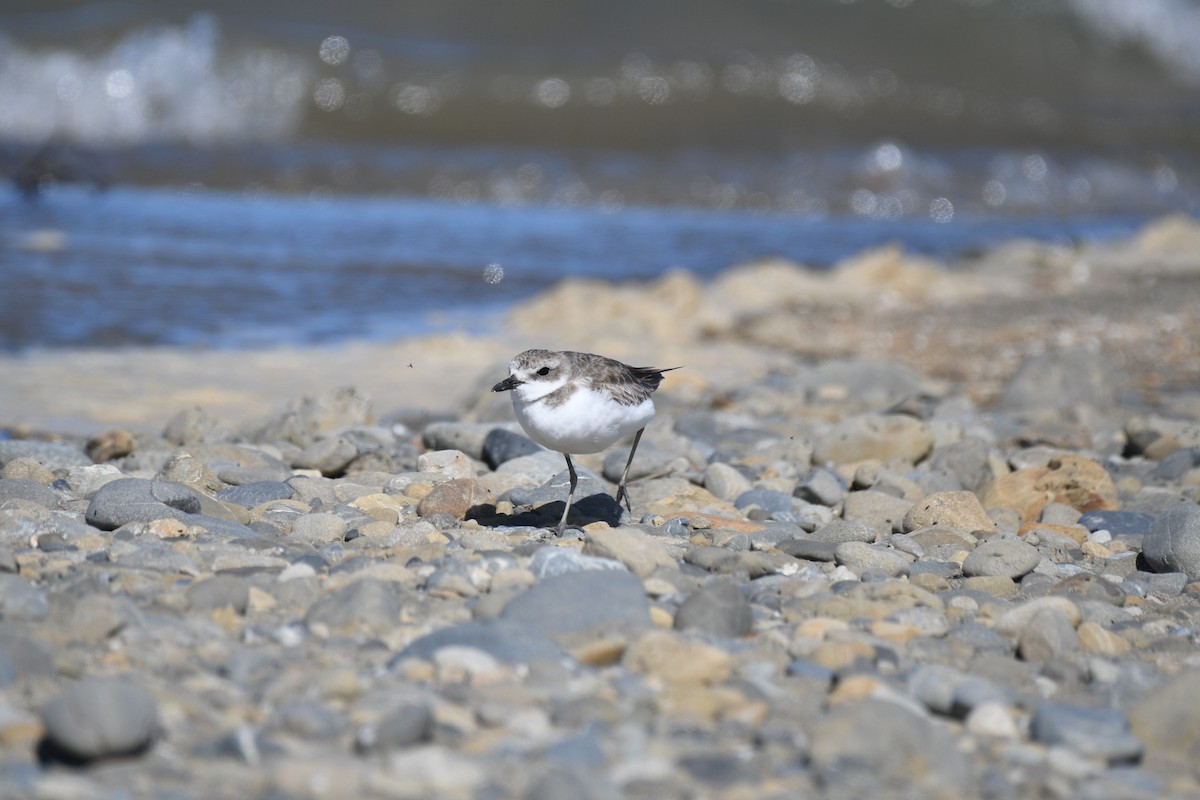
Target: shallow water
(151, 266)
(262, 173)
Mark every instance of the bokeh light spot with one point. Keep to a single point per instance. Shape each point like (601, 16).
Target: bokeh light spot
(941, 210)
(334, 49)
(552, 92)
(493, 273)
(329, 94)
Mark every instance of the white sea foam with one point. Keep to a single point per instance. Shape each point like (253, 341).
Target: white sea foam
(161, 83)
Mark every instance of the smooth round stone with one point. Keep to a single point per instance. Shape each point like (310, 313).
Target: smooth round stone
(328, 456)
(251, 495)
(219, 591)
(725, 481)
(551, 561)
(882, 437)
(1093, 732)
(581, 600)
(809, 549)
(968, 460)
(890, 743)
(407, 725)
(1009, 558)
(468, 437)
(51, 455)
(501, 445)
(20, 600)
(876, 509)
(845, 530)
(101, 717)
(1118, 523)
(26, 489)
(367, 606)
(822, 487)
(862, 557)
(319, 528)
(1172, 544)
(509, 641)
(961, 510)
(636, 549)
(1049, 635)
(769, 500)
(718, 608)
(126, 500)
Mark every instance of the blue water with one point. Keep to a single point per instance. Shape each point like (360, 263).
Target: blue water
(207, 268)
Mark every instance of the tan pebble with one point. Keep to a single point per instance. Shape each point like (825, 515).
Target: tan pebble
(228, 620)
(894, 631)
(260, 602)
(418, 491)
(673, 659)
(1095, 638)
(167, 528)
(513, 578)
(661, 617)
(820, 627)
(751, 714)
(696, 703)
(27, 469)
(601, 653)
(992, 720)
(658, 587)
(931, 582)
(1117, 546)
(855, 687)
(839, 655)
(1095, 550)
(995, 585)
(1076, 533)
(341, 684)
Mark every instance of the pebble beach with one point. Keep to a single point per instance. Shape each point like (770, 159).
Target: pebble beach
(903, 528)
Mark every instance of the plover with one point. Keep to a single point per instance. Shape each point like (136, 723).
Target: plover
(581, 403)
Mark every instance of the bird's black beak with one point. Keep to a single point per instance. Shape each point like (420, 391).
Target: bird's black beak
(510, 382)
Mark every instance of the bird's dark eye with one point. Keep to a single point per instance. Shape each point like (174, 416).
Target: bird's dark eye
(544, 371)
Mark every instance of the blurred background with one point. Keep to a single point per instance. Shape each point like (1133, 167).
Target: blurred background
(263, 173)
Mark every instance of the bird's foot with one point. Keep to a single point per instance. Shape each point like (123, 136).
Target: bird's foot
(623, 494)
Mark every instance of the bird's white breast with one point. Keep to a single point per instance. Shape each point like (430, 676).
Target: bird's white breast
(589, 421)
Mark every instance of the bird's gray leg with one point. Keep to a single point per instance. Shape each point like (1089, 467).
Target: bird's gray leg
(562, 523)
(622, 492)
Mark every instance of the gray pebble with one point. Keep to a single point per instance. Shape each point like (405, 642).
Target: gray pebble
(20, 600)
(364, 607)
(502, 445)
(845, 530)
(1118, 523)
(822, 487)
(862, 557)
(128, 500)
(510, 641)
(550, 561)
(219, 591)
(1009, 558)
(25, 489)
(581, 600)
(725, 481)
(769, 500)
(329, 456)
(468, 437)
(717, 607)
(809, 549)
(1092, 732)
(51, 455)
(1172, 544)
(1047, 636)
(101, 717)
(407, 725)
(255, 494)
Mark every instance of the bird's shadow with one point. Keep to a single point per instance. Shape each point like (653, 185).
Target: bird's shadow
(598, 507)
